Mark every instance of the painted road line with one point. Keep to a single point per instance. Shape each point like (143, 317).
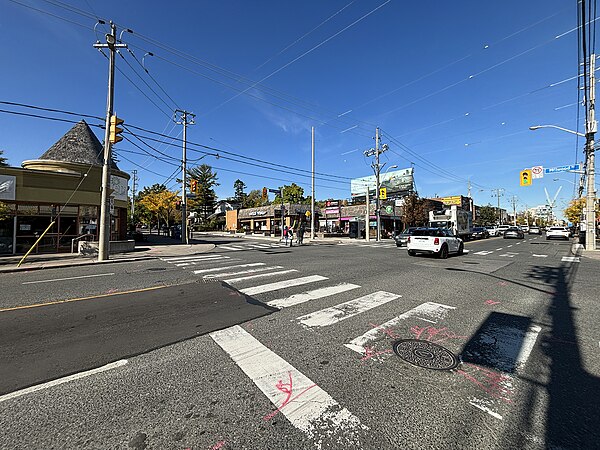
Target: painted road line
(223, 260)
(70, 278)
(241, 272)
(69, 300)
(225, 247)
(189, 257)
(498, 249)
(262, 275)
(539, 256)
(509, 254)
(63, 380)
(315, 294)
(202, 261)
(518, 243)
(481, 404)
(343, 311)
(429, 312)
(570, 259)
(526, 347)
(218, 269)
(484, 252)
(282, 284)
(308, 407)
(509, 246)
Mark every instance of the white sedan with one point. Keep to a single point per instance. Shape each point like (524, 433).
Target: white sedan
(557, 233)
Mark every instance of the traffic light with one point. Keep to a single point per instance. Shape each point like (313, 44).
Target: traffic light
(178, 205)
(264, 194)
(526, 177)
(193, 185)
(115, 131)
(382, 193)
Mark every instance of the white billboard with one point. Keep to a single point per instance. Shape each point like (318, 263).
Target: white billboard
(399, 181)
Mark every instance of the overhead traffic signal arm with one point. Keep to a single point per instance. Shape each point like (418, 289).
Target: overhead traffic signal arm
(115, 130)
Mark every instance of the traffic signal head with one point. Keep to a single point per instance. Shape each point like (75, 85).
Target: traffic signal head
(115, 131)
(525, 177)
(264, 193)
(193, 185)
(178, 205)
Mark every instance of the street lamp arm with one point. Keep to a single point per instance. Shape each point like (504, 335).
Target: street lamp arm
(537, 127)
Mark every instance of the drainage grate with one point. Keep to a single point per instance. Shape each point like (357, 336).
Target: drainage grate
(425, 354)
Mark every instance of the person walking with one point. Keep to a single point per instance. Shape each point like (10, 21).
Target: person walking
(285, 234)
(291, 236)
(301, 231)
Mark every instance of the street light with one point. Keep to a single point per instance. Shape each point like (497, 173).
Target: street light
(590, 200)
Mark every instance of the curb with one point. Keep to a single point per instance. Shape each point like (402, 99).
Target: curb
(73, 264)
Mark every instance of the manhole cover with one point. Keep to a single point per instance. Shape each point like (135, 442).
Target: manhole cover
(425, 354)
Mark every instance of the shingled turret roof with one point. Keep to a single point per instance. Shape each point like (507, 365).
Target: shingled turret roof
(78, 145)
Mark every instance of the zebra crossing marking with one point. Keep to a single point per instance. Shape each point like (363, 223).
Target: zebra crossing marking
(311, 409)
(343, 311)
(190, 258)
(315, 294)
(429, 312)
(539, 256)
(201, 261)
(218, 269)
(262, 275)
(570, 259)
(241, 272)
(484, 252)
(227, 247)
(282, 284)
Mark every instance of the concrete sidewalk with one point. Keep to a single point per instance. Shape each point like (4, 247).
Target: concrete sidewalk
(154, 247)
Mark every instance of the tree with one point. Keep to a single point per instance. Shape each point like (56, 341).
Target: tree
(574, 212)
(3, 161)
(487, 215)
(206, 199)
(291, 194)
(239, 194)
(414, 211)
(4, 211)
(254, 199)
(162, 204)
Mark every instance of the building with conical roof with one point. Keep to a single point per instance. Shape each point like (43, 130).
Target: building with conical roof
(62, 188)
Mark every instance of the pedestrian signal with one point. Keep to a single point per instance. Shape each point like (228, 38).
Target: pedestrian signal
(526, 177)
(115, 131)
(382, 193)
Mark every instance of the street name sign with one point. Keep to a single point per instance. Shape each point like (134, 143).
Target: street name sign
(568, 168)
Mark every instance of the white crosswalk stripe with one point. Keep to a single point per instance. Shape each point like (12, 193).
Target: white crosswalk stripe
(241, 272)
(570, 259)
(484, 252)
(282, 284)
(229, 247)
(202, 261)
(315, 294)
(343, 311)
(308, 407)
(218, 269)
(263, 275)
(190, 258)
(429, 312)
(539, 256)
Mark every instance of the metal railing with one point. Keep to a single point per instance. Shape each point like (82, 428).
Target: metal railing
(77, 239)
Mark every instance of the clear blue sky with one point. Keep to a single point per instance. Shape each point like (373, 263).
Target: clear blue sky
(455, 83)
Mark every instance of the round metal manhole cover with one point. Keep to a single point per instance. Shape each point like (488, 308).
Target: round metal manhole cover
(425, 354)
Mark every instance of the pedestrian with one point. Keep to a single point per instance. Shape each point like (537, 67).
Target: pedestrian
(285, 234)
(301, 231)
(291, 236)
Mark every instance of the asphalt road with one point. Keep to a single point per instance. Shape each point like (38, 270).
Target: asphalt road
(518, 315)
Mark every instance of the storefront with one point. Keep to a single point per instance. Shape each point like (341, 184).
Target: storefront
(62, 189)
(267, 219)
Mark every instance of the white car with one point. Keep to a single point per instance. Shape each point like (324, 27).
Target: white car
(525, 228)
(557, 233)
(501, 229)
(492, 230)
(434, 241)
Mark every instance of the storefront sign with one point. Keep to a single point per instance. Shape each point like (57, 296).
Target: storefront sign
(119, 187)
(332, 210)
(257, 213)
(7, 187)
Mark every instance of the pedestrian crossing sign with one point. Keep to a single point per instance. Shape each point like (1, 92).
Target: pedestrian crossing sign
(382, 193)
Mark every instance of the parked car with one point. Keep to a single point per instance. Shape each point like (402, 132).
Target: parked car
(492, 230)
(535, 230)
(402, 238)
(514, 232)
(480, 233)
(502, 228)
(434, 241)
(525, 228)
(557, 233)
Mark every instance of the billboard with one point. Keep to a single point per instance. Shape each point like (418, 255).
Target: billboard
(398, 181)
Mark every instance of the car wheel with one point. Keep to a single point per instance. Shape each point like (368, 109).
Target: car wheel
(411, 253)
(398, 244)
(461, 249)
(443, 253)
(547, 238)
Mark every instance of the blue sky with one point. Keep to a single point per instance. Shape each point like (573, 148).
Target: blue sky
(452, 86)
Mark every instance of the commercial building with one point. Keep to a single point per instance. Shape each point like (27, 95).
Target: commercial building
(61, 189)
(267, 219)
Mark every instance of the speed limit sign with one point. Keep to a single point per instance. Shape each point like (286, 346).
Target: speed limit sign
(537, 172)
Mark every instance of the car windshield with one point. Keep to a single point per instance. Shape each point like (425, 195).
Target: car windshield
(429, 232)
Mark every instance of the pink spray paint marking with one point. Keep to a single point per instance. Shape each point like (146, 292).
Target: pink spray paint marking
(496, 384)
(218, 445)
(491, 302)
(433, 334)
(502, 283)
(371, 353)
(387, 331)
(288, 389)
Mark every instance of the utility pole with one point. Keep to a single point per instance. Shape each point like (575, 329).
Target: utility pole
(377, 168)
(312, 199)
(367, 216)
(104, 232)
(499, 193)
(590, 130)
(134, 187)
(185, 118)
(513, 200)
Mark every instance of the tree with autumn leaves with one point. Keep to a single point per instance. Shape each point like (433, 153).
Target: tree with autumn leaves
(574, 212)
(157, 205)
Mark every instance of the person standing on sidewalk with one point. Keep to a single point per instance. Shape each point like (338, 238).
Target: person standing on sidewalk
(285, 234)
(291, 236)
(301, 234)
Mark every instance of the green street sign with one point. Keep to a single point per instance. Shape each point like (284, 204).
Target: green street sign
(389, 209)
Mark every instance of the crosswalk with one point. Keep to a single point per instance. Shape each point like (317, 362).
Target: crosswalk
(241, 246)
(490, 358)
